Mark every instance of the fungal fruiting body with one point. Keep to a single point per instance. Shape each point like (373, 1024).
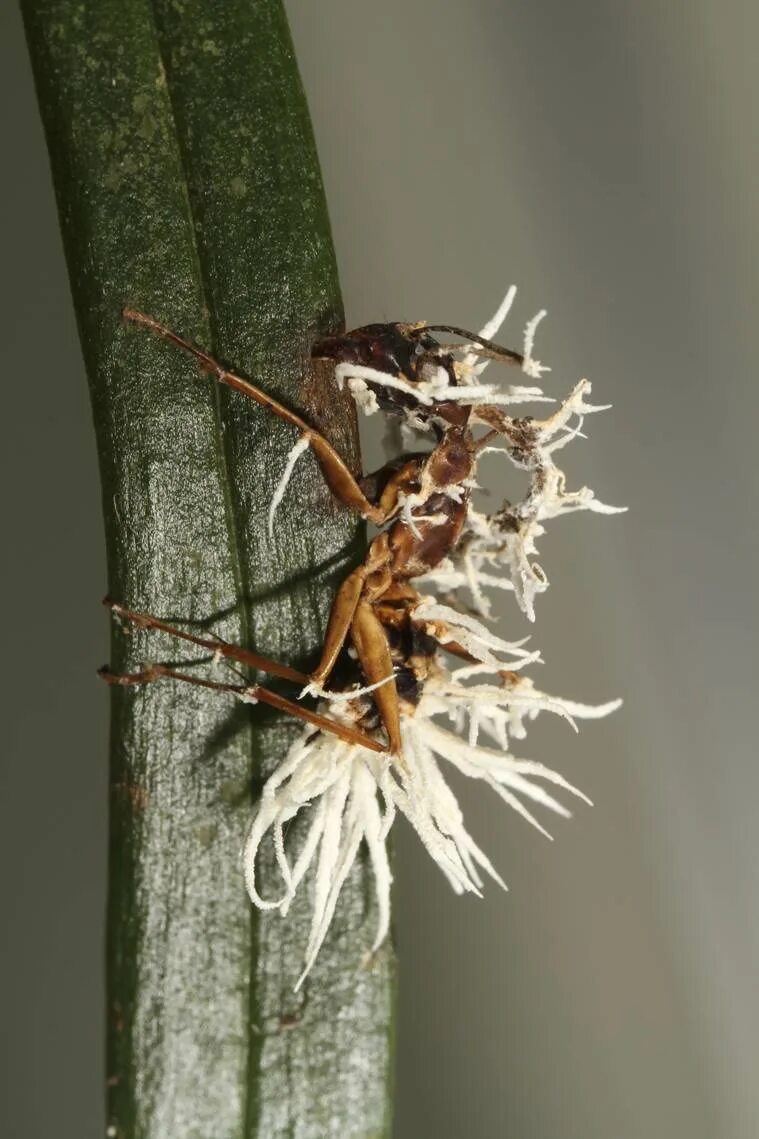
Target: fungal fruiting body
(413, 675)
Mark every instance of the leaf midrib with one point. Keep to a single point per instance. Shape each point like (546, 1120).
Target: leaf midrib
(250, 1102)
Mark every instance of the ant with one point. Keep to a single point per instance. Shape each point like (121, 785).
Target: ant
(420, 502)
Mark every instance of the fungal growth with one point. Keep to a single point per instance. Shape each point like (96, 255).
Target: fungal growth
(413, 674)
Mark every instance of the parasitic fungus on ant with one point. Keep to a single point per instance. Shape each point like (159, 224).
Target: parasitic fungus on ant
(410, 674)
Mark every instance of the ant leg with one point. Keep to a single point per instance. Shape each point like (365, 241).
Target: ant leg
(337, 475)
(513, 430)
(252, 693)
(457, 650)
(340, 618)
(373, 650)
(507, 675)
(344, 607)
(219, 647)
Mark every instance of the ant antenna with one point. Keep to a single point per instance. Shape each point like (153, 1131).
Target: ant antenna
(487, 347)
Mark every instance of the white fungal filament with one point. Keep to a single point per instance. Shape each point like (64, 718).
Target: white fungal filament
(349, 795)
(279, 493)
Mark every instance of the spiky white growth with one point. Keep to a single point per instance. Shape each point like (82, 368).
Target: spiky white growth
(437, 387)
(507, 539)
(501, 708)
(491, 329)
(531, 366)
(466, 575)
(407, 503)
(448, 625)
(296, 451)
(473, 365)
(350, 794)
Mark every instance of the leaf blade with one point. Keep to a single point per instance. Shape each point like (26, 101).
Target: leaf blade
(203, 1035)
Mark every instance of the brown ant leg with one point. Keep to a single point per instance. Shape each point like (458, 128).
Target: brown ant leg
(457, 650)
(219, 647)
(340, 618)
(502, 424)
(344, 608)
(337, 476)
(251, 693)
(373, 650)
(486, 440)
(437, 630)
(354, 612)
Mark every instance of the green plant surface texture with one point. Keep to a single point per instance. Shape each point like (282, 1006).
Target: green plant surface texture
(188, 187)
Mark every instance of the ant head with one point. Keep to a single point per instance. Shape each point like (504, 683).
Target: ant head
(401, 352)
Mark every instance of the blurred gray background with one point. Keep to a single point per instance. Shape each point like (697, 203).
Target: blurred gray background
(605, 157)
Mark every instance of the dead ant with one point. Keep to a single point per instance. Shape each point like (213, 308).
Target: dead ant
(422, 500)
(430, 536)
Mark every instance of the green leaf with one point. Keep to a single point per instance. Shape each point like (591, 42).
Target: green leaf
(188, 187)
